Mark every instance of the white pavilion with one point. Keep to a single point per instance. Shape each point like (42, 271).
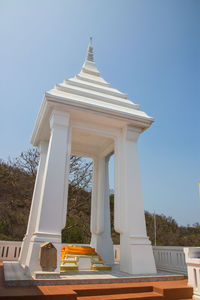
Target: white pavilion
(84, 116)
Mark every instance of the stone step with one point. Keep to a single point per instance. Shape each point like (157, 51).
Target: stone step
(128, 296)
(100, 267)
(69, 267)
(175, 292)
(111, 289)
(158, 290)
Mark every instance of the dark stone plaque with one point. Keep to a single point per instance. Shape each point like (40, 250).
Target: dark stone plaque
(48, 257)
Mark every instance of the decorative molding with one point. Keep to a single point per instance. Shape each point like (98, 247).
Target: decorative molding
(132, 133)
(139, 120)
(139, 240)
(94, 128)
(91, 80)
(97, 95)
(100, 89)
(43, 146)
(58, 118)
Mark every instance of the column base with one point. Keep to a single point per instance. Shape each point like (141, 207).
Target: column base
(104, 247)
(32, 262)
(24, 249)
(136, 255)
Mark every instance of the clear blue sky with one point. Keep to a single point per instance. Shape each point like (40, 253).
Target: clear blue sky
(149, 49)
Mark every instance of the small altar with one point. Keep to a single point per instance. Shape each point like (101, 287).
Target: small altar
(81, 258)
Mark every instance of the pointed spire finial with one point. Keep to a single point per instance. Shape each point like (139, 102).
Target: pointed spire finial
(90, 55)
(89, 65)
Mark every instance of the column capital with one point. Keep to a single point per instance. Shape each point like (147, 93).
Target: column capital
(131, 133)
(59, 118)
(43, 146)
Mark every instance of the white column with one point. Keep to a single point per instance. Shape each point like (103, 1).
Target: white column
(100, 211)
(136, 255)
(50, 211)
(43, 147)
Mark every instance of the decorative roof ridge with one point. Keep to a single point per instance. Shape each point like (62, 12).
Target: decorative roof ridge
(98, 88)
(96, 80)
(95, 96)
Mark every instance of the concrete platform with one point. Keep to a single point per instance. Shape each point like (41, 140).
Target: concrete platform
(14, 276)
(158, 290)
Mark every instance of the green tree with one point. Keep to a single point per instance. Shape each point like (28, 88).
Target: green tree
(17, 179)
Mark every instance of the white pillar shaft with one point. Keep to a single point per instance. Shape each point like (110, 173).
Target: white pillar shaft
(50, 211)
(136, 255)
(100, 211)
(98, 188)
(66, 180)
(133, 204)
(93, 225)
(107, 223)
(43, 147)
(118, 186)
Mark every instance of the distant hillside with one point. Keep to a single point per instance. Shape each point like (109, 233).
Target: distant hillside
(170, 234)
(16, 188)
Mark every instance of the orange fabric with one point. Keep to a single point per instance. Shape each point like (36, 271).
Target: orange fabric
(77, 250)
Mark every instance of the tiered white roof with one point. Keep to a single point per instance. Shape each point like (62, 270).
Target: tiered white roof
(89, 87)
(89, 91)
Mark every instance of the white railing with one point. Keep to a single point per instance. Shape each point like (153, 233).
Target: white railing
(170, 259)
(192, 256)
(9, 250)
